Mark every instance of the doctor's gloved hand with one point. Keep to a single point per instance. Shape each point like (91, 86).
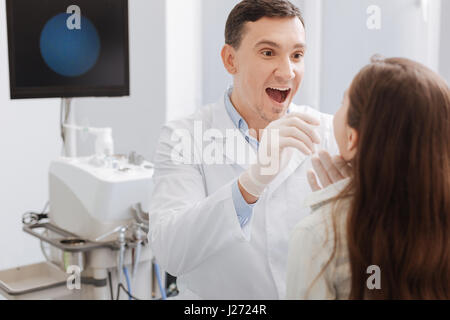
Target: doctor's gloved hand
(328, 169)
(277, 144)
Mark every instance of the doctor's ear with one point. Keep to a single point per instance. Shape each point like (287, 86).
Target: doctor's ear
(229, 59)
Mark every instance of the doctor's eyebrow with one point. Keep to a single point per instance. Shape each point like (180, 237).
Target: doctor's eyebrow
(299, 45)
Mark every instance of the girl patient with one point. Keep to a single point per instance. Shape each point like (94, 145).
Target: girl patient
(383, 233)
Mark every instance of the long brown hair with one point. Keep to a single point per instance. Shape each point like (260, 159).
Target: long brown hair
(399, 217)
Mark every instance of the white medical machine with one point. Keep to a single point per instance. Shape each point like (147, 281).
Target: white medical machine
(94, 238)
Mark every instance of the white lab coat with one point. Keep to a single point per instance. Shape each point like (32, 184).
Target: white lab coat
(194, 230)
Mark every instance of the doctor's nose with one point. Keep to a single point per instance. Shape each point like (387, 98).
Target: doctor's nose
(285, 70)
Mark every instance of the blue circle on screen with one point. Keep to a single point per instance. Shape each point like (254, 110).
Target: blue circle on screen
(69, 53)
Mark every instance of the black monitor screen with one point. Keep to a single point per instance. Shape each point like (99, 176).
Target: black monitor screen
(68, 48)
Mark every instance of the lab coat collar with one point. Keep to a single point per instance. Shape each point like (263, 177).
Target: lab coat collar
(222, 121)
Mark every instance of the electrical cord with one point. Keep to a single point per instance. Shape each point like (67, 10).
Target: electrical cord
(44, 253)
(127, 278)
(121, 286)
(158, 277)
(46, 206)
(110, 285)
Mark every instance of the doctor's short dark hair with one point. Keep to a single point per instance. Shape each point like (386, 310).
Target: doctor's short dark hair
(253, 10)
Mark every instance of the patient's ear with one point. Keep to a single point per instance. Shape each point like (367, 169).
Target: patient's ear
(352, 142)
(229, 58)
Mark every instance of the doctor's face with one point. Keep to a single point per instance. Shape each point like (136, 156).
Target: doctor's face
(269, 66)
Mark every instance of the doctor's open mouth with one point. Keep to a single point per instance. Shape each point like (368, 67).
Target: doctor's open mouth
(279, 95)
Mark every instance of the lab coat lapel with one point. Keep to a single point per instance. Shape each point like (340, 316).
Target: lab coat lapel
(232, 139)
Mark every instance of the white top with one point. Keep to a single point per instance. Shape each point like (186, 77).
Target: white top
(311, 246)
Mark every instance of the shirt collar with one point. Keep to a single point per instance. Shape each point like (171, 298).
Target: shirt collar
(237, 119)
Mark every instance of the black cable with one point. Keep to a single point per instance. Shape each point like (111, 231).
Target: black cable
(110, 285)
(118, 291)
(46, 206)
(121, 286)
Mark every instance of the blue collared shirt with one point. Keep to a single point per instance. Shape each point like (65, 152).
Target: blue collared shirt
(243, 209)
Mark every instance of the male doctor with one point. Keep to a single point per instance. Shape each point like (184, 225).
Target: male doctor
(222, 227)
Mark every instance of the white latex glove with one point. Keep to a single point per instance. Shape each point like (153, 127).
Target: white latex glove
(276, 147)
(329, 170)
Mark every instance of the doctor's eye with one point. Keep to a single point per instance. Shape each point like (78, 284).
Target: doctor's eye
(299, 55)
(267, 53)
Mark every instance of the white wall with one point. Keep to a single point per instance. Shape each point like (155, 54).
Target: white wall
(444, 65)
(29, 140)
(184, 58)
(215, 78)
(348, 44)
(136, 120)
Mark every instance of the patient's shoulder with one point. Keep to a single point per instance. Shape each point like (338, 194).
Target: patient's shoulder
(320, 223)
